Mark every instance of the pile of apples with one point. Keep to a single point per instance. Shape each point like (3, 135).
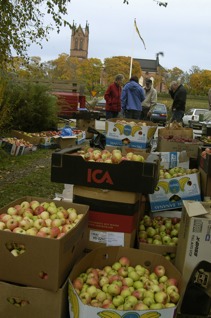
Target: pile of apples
(206, 152)
(114, 156)
(131, 123)
(159, 230)
(175, 172)
(43, 219)
(18, 142)
(122, 286)
(180, 139)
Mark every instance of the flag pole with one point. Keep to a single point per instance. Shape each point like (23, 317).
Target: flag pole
(131, 59)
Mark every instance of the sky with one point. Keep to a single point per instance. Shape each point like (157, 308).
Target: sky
(182, 31)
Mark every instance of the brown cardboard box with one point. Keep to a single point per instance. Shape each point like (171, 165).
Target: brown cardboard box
(38, 302)
(52, 256)
(194, 238)
(102, 257)
(205, 183)
(83, 124)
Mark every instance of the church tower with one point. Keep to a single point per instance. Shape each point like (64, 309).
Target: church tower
(79, 41)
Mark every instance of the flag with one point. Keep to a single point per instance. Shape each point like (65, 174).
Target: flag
(137, 30)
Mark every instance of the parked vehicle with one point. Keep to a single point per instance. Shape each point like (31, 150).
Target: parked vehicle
(159, 114)
(193, 116)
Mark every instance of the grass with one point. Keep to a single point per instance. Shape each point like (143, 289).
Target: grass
(26, 175)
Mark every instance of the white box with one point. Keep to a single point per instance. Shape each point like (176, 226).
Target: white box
(194, 244)
(169, 193)
(129, 132)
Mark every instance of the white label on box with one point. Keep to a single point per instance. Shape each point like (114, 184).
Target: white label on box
(107, 238)
(115, 239)
(97, 237)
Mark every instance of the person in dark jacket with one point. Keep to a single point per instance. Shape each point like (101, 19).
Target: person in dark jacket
(112, 97)
(131, 98)
(179, 94)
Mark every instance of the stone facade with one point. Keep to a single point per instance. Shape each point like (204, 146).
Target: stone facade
(79, 41)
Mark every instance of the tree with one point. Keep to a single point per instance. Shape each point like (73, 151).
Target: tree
(22, 23)
(120, 65)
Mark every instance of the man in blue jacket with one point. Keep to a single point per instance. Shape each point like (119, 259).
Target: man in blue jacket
(131, 98)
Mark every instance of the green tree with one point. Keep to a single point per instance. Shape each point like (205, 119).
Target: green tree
(22, 23)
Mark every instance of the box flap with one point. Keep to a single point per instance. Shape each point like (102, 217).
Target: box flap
(194, 208)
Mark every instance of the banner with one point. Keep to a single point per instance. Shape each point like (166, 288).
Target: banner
(137, 30)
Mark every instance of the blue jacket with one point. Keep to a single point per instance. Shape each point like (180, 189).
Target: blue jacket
(132, 96)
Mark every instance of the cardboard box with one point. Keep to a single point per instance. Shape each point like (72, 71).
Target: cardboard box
(67, 166)
(173, 159)
(52, 256)
(204, 162)
(102, 238)
(83, 124)
(130, 133)
(205, 183)
(16, 149)
(194, 238)
(112, 218)
(191, 148)
(169, 193)
(38, 302)
(32, 138)
(70, 141)
(160, 249)
(109, 201)
(106, 195)
(102, 257)
(176, 132)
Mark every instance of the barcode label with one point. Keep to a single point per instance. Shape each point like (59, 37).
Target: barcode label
(197, 226)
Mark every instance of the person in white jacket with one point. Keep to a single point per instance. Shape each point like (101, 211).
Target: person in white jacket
(150, 100)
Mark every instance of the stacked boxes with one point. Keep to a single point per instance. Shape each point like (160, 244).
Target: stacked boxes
(113, 216)
(35, 281)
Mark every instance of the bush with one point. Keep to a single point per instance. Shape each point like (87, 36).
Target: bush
(28, 107)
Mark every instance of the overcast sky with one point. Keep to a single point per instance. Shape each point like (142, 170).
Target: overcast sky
(182, 31)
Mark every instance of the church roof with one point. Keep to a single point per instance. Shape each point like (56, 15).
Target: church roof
(148, 65)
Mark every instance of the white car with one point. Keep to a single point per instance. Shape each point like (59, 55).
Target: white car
(193, 115)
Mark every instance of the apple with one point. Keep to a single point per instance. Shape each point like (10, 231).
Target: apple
(12, 224)
(56, 222)
(92, 291)
(39, 223)
(116, 266)
(12, 211)
(54, 232)
(159, 270)
(34, 204)
(118, 300)
(45, 205)
(141, 306)
(114, 289)
(25, 224)
(19, 230)
(124, 261)
(133, 275)
(78, 283)
(72, 214)
(44, 215)
(25, 205)
(38, 209)
(161, 297)
(2, 225)
(32, 231)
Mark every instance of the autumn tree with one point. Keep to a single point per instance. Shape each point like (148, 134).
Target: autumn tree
(120, 65)
(23, 23)
(200, 82)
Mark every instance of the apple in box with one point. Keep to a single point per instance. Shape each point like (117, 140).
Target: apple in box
(119, 278)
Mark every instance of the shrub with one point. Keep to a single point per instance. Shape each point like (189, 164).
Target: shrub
(28, 107)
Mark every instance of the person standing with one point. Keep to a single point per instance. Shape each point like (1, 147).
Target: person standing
(179, 94)
(113, 97)
(150, 100)
(131, 98)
